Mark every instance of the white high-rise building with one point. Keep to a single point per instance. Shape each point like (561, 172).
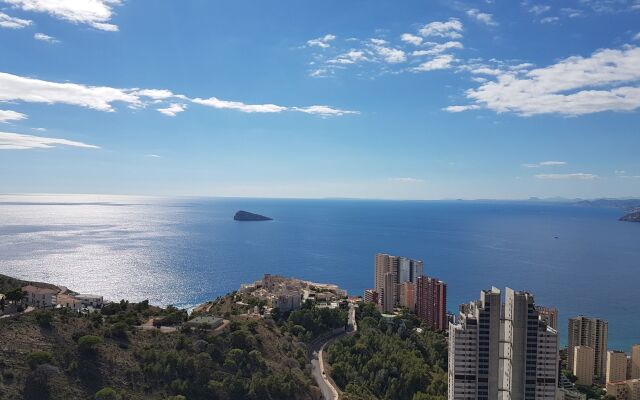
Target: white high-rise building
(502, 352)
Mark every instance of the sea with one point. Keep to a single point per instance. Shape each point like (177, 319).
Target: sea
(185, 251)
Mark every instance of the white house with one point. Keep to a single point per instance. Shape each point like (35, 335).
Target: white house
(90, 300)
(41, 297)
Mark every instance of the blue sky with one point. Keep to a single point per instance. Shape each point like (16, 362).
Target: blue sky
(371, 99)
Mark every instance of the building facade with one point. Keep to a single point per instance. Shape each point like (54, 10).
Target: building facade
(616, 369)
(549, 315)
(40, 297)
(506, 355)
(583, 359)
(625, 390)
(590, 332)
(635, 361)
(431, 302)
(403, 270)
(407, 292)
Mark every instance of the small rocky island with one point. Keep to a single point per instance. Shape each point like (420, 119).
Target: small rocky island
(632, 216)
(247, 216)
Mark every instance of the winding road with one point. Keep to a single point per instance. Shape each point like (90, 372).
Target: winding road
(329, 389)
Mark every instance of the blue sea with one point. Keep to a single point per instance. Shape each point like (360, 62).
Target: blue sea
(184, 251)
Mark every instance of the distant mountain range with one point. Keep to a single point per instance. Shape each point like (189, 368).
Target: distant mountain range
(628, 205)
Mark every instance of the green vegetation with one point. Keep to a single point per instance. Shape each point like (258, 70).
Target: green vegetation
(60, 354)
(309, 322)
(389, 359)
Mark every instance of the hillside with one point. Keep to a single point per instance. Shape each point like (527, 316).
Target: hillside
(631, 217)
(55, 354)
(390, 359)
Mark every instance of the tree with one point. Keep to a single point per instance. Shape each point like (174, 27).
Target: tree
(15, 295)
(38, 358)
(107, 393)
(88, 343)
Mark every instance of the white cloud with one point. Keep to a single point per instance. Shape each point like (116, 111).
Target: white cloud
(412, 39)
(156, 94)
(539, 9)
(620, 172)
(438, 48)
(173, 109)
(448, 29)
(390, 55)
(408, 180)
(351, 57)
(9, 115)
(486, 71)
(239, 106)
(441, 62)
(637, 36)
(485, 18)
(17, 141)
(322, 42)
(572, 12)
(545, 164)
(457, 109)
(549, 20)
(45, 38)
(324, 111)
(605, 81)
(95, 13)
(152, 156)
(576, 176)
(9, 22)
(17, 88)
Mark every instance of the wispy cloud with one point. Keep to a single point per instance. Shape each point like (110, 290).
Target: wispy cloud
(538, 9)
(18, 88)
(95, 13)
(102, 98)
(605, 81)
(440, 62)
(152, 156)
(408, 180)
(173, 109)
(448, 29)
(438, 48)
(411, 38)
(324, 111)
(10, 22)
(9, 115)
(482, 17)
(457, 109)
(322, 42)
(45, 38)
(545, 164)
(17, 141)
(576, 176)
(239, 106)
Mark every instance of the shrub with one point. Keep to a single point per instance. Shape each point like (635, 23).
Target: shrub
(88, 343)
(106, 393)
(38, 358)
(44, 319)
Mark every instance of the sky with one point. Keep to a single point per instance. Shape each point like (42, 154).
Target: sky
(356, 99)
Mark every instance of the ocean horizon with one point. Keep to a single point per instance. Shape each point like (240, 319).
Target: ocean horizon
(185, 251)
